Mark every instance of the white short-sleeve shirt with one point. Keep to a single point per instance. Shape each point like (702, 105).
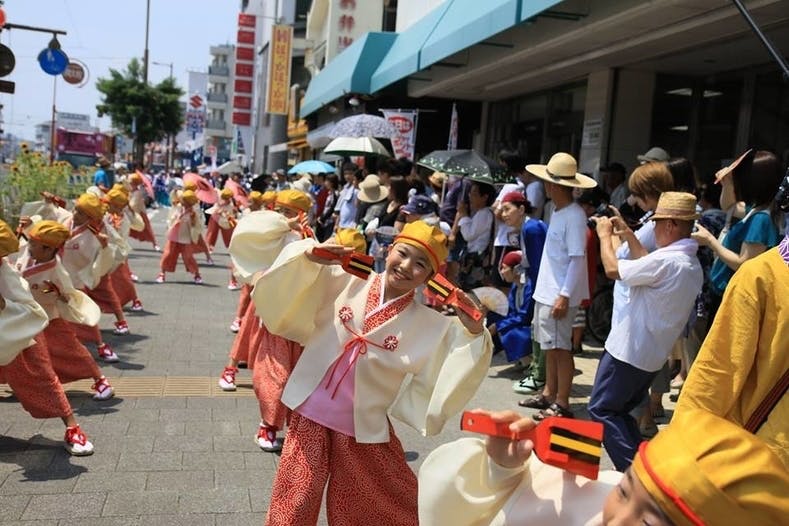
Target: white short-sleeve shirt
(566, 238)
(662, 286)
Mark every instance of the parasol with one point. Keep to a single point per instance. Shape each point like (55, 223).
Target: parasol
(493, 299)
(467, 163)
(239, 194)
(313, 167)
(363, 126)
(230, 167)
(146, 182)
(205, 192)
(350, 146)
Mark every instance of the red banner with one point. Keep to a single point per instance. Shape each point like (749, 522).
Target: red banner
(242, 86)
(242, 118)
(242, 103)
(245, 53)
(245, 70)
(245, 37)
(245, 20)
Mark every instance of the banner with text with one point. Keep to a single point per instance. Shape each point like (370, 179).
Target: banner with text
(279, 70)
(404, 142)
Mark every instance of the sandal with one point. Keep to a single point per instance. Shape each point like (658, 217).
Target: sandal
(553, 410)
(535, 402)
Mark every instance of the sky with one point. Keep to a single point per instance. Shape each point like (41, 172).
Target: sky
(105, 34)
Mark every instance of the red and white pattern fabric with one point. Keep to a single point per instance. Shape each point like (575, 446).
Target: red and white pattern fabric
(170, 257)
(70, 360)
(104, 295)
(146, 234)
(367, 483)
(35, 383)
(273, 364)
(123, 284)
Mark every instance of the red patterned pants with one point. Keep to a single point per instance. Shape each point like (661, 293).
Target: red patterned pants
(170, 257)
(367, 483)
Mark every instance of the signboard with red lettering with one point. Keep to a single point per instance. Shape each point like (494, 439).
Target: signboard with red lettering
(278, 90)
(245, 37)
(245, 53)
(245, 20)
(404, 142)
(242, 86)
(242, 118)
(242, 103)
(245, 70)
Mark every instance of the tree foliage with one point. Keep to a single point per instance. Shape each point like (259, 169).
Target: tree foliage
(157, 108)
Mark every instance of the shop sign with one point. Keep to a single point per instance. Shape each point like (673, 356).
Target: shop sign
(278, 90)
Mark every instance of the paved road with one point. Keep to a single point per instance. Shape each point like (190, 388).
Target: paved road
(170, 447)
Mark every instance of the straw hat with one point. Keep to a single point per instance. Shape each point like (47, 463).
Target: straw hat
(49, 233)
(8, 241)
(438, 179)
(371, 190)
(562, 169)
(703, 469)
(654, 154)
(429, 239)
(676, 205)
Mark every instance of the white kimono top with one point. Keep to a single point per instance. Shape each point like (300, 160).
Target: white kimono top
(85, 260)
(422, 366)
(461, 486)
(225, 214)
(180, 228)
(78, 309)
(118, 237)
(21, 319)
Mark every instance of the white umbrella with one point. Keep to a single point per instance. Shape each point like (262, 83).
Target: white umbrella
(230, 167)
(350, 146)
(363, 126)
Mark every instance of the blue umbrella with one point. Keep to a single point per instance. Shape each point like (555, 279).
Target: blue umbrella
(313, 167)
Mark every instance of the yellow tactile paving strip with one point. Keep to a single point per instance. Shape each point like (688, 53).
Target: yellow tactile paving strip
(158, 386)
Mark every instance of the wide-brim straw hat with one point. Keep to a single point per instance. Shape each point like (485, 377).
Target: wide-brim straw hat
(371, 190)
(438, 179)
(676, 205)
(562, 169)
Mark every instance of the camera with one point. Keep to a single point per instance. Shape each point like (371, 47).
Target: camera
(601, 211)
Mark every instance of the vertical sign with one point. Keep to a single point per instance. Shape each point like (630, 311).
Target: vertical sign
(279, 69)
(245, 70)
(404, 141)
(345, 24)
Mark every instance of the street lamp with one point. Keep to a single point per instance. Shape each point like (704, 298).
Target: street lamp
(168, 64)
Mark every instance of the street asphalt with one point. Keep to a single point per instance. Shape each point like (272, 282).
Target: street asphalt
(182, 453)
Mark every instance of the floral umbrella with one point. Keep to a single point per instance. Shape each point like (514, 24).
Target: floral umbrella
(436, 160)
(363, 126)
(475, 166)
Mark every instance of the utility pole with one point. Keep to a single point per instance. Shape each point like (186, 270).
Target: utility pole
(171, 137)
(140, 156)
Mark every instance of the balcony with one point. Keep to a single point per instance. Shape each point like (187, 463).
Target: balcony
(215, 127)
(217, 97)
(219, 71)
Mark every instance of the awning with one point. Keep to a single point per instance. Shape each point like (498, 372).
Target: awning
(451, 27)
(348, 72)
(403, 57)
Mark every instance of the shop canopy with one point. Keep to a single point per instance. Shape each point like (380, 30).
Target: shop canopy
(380, 59)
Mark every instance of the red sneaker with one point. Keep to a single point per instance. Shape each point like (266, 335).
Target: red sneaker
(121, 327)
(106, 353)
(76, 442)
(227, 382)
(267, 439)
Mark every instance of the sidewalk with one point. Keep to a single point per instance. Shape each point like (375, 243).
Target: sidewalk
(171, 448)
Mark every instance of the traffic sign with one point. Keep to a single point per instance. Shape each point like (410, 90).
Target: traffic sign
(6, 86)
(75, 74)
(53, 61)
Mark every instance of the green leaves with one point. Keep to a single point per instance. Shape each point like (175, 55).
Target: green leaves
(156, 108)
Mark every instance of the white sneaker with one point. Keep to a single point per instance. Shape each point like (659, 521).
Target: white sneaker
(106, 353)
(157, 248)
(198, 280)
(136, 305)
(236, 325)
(76, 442)
(104, 390)
(227, 382)
(267, 439)
(121, 327)
(160, 278)
(233, 285)
(134, 277)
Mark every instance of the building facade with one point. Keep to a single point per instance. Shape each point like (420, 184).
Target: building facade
(218, 130)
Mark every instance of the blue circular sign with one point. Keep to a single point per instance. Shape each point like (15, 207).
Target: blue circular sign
(53, 61)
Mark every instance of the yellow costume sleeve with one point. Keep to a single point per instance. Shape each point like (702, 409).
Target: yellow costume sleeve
(447, 382)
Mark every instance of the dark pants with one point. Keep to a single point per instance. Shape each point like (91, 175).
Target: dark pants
(618, 389)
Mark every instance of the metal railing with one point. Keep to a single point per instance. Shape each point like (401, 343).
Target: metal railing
(220, 71)
(217, 97)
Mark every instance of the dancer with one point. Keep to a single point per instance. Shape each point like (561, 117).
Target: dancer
(24, 361)
(368, 348)
(122, 280)
(51, 287)
(185, 229)
(137, 204)
(223, 219)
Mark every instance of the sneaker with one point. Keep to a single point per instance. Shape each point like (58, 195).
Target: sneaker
(198, 279)
(527, 385)
(233, 285)
(104, 390)
(227, 382)
(76, 442)
(236, 325)
(134, 277)
(267, 439)
(136, 306)
(160, 278)
(209, 261)
(157, 248)
(121, 327)
(106, 353)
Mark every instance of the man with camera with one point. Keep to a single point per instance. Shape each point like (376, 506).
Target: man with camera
(646, 322)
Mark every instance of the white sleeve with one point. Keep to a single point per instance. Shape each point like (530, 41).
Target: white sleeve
(576, 271)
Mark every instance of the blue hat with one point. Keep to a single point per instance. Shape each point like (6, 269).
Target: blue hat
(420, 205)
